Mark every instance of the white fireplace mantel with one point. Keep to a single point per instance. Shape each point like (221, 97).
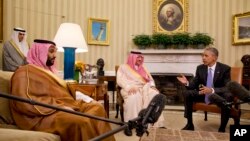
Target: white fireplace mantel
(172, 61)
(170, 51)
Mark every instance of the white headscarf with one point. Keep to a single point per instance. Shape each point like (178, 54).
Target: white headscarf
(23, 45)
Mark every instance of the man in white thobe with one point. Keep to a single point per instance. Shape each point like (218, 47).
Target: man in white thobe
(15, 50)
(137, 88)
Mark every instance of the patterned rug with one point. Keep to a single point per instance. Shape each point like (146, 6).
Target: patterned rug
(156, 134)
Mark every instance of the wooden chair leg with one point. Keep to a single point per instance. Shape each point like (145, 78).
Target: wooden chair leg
(236, 121)
(117, 110)
(122, 113)
(236, 116)
(106, 104)
(205, 114)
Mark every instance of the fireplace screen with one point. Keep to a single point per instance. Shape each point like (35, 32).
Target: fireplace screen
(168, 85)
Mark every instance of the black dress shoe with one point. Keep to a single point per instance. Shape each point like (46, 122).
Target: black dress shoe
(127, 132)
(188, 127)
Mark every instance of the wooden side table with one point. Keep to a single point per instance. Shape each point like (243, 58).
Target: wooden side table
(246, 77)
(99, 89)
(111, 84)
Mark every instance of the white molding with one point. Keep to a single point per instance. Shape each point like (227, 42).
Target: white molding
(172, 60)
(169, 51)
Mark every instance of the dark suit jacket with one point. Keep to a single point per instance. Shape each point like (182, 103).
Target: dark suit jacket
(221, 77)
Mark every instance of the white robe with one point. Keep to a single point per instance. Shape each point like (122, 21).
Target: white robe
(12, 56)
(134, 103)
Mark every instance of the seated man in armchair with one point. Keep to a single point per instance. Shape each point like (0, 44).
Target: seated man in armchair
(137, 88)
(37, 81)
(210, 79)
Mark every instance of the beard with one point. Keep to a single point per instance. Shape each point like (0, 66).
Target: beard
(50, 61)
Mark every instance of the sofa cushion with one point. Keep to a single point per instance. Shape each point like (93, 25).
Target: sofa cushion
(24, 135)
(5, 115)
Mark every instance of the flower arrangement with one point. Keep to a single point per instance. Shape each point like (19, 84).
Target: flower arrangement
(79, 69)
(79, 66)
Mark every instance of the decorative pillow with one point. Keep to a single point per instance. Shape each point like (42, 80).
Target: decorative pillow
(5, 115)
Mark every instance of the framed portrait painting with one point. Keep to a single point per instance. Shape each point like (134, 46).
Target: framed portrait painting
(170, 16)
(241, 29)
(98, 31)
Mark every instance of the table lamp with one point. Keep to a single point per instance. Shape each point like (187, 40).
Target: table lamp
(69, 39)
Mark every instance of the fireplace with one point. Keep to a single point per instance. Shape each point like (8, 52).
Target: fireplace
(166, 65)
(168, 85)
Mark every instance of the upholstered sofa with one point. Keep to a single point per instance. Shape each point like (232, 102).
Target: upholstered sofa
(8, 130)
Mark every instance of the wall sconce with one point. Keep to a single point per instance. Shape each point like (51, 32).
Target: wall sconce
(69, 39)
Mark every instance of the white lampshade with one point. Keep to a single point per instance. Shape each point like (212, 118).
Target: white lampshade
(70, 35)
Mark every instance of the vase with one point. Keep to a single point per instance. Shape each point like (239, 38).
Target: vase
(142, 47)
(76, 75)
(201, 46)
(181, 46)
(161, 46)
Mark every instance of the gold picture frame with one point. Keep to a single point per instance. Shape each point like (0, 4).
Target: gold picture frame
(241, 29)
(98, 31)
(170, 16)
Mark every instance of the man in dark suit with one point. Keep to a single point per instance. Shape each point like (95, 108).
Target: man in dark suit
(211, 78)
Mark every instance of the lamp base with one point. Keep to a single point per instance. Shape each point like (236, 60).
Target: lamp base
(69, 63)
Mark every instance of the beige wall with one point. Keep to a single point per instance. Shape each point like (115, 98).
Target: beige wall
(41, 19)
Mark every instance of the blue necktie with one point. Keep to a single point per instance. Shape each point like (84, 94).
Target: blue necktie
(209, 84)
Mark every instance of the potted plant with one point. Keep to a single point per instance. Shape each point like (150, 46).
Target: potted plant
(142, 41)
(181, 39)
(162, 40)
(201, 40)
